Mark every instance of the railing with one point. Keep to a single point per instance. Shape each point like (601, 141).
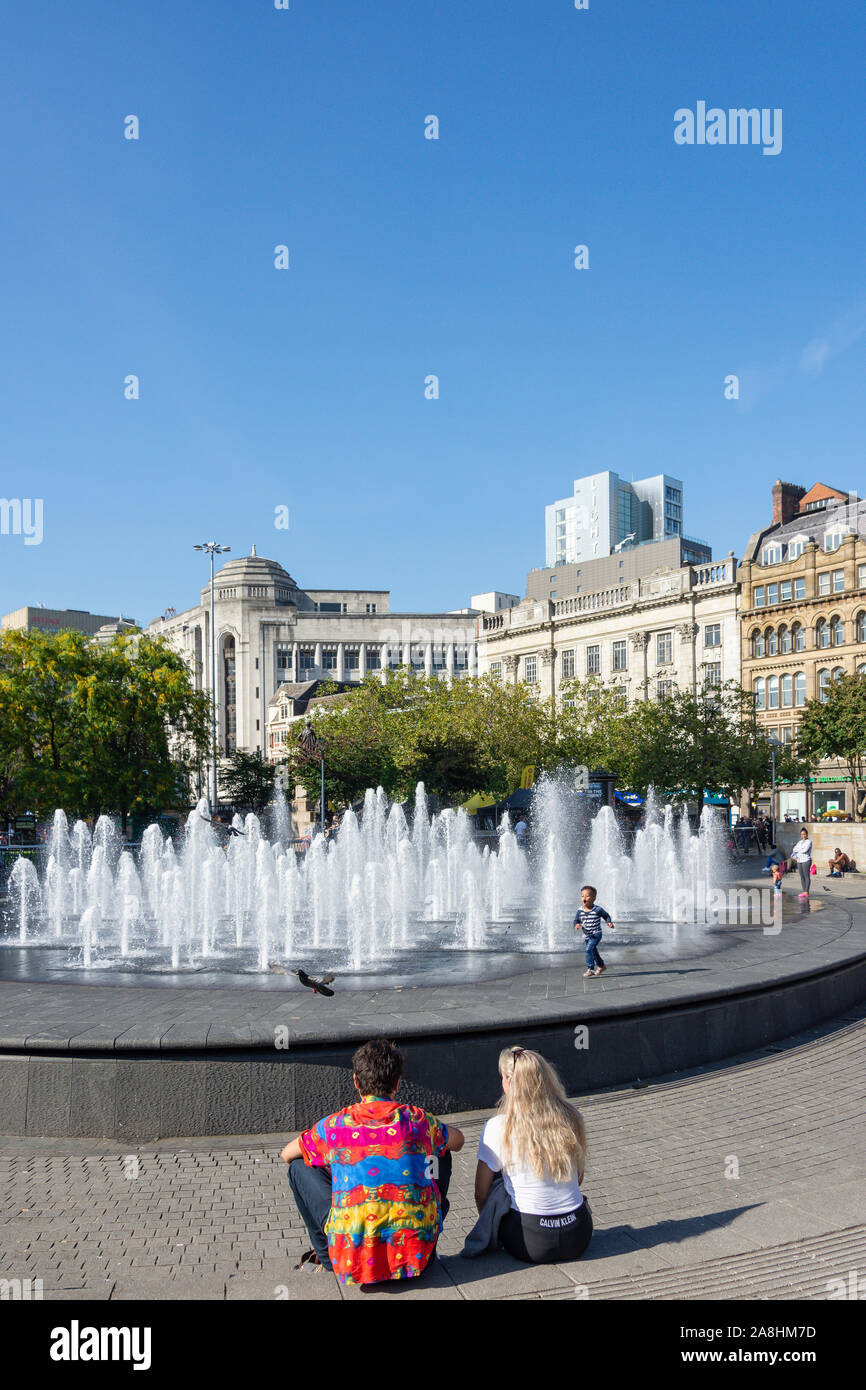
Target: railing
(713, 574)
(590, 603)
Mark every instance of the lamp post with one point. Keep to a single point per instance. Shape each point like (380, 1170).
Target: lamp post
(212, 548)
(774, 744)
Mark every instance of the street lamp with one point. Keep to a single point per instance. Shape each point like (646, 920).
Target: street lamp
(212, 549)
(774, 744)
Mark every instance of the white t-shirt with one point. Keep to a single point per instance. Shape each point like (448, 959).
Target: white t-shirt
(530, 1194)
(802, 850)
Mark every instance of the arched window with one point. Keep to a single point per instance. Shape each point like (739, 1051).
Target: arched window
(787, 692)
(784, 639)
(760, 692)
(861, 669)
(758, 644)
(230, 695)
(773, 692)
(838, 672)
(823, 686)
(837, 628)
(822, 634)
(772, 641)
(861, 627)
(800, 689)
(798, 636)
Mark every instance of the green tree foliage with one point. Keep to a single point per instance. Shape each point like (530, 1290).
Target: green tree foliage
(114, 728)
(836, 728)
(247, 781)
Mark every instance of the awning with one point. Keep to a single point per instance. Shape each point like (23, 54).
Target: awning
(479, 802)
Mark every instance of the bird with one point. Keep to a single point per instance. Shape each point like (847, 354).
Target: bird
(317, 986)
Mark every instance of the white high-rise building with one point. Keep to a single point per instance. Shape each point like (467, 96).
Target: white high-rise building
(605, 511)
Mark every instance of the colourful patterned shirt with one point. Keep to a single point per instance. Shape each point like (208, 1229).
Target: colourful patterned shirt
(386, 1214)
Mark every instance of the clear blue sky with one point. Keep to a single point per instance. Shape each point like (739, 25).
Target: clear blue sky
(305, 387)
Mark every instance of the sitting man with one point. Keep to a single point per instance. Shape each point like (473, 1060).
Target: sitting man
(370, 1181)
(839, 864)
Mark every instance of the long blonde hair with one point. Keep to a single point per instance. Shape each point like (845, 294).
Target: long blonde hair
(542, 1129)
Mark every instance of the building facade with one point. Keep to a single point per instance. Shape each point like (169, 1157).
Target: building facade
(678, 627)
(804, 622)
(610, 571)
(269, 632)
(605, 511)
(40, 619)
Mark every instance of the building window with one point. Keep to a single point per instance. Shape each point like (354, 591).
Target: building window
(496, 669)
(352, 659)
(664, 648)
(284, 659)
(833, 539)
(837, 628)
(759, 646)
(784, 640)
(787, 692)
(593, 661)
(861, 577)
(773, 692)
(823, 686)
(798, 635)
(800, 689)
(785, 590)
(530, 667)
(461, 660)
(861, 627)
(567, 670)
(822, 634)
(370, 608)
(664, 689)
(824, 582)
(760, 693)
(230, 695)
(758, 596)
(772, 642)
(772, 594)
(771, 555)
(838, 581)
(713, 675)
(373, 659)
(796, 547)
(799, 588)
(329, 661)
(620, 656)
(713, 635)
(306, 659)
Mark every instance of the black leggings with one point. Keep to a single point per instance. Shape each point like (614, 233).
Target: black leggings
(537, 1240)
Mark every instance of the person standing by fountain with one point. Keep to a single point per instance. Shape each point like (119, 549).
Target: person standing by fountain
(802, 856)
(589, 919)
(371, 1181)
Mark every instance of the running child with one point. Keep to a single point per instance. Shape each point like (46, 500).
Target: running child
(589, 918)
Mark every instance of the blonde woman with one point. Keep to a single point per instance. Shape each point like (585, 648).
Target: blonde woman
(536, 1145)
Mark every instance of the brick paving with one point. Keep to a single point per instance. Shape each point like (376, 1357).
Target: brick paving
(742, 1180)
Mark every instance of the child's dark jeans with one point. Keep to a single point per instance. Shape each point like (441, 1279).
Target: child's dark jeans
(593, 955)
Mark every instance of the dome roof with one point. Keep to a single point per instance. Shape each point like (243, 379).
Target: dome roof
(254, 574)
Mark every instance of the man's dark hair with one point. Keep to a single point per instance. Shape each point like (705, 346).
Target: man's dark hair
(378, 1065)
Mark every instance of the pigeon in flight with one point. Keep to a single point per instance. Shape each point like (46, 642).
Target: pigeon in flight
(317, 986)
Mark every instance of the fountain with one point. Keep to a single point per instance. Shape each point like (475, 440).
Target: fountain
(385, 894)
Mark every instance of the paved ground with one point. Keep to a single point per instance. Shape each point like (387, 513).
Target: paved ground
(737, 1182)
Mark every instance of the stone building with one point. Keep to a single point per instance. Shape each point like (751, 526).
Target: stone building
(674, 627)
(803, 613)
(269, 632)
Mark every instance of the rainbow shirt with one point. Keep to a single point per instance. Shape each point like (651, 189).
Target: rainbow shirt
(385, 1209)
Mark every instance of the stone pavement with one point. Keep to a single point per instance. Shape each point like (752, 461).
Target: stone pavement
(738, 1181)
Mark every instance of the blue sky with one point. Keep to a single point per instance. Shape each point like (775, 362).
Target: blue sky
(408, 256)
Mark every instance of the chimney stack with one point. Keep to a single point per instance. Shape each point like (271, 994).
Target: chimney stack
(786, 501)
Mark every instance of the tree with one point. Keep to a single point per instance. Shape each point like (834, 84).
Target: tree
(247, 780)
(115, 728)
(836, 728)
